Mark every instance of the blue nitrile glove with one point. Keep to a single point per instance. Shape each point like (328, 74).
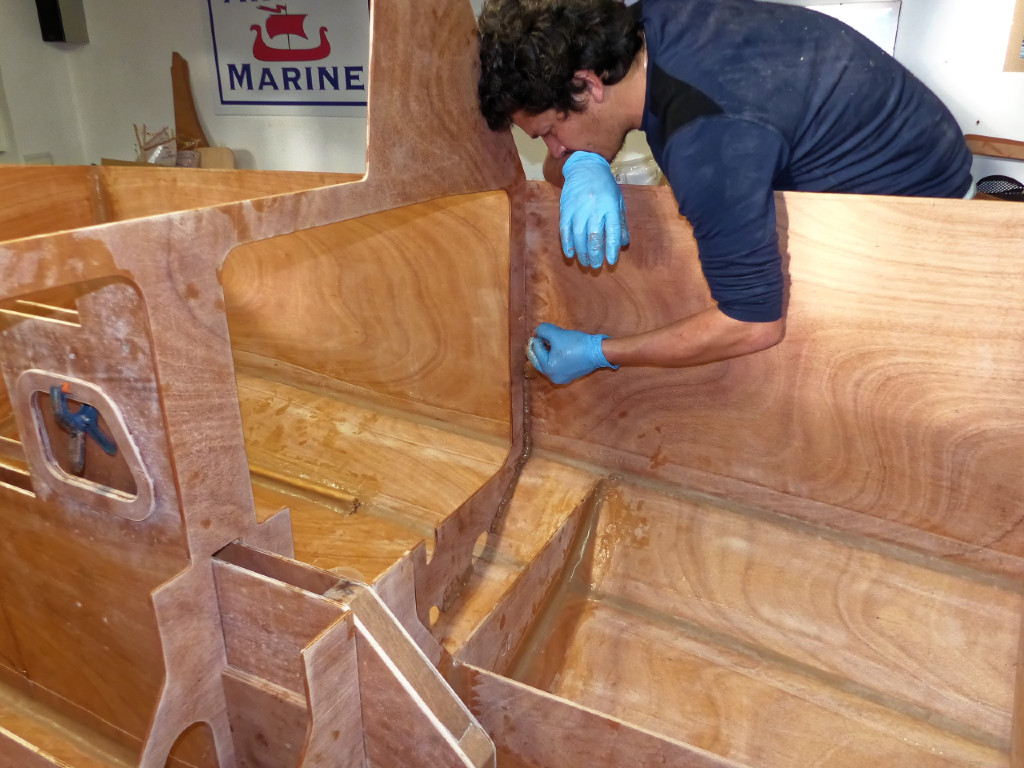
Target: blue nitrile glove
(563, 355)
(592, 220)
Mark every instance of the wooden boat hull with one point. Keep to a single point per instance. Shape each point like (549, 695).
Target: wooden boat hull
(345, 528)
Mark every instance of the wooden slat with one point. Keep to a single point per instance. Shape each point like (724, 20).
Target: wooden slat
(378, 625)
(992, 146)
(398, 728)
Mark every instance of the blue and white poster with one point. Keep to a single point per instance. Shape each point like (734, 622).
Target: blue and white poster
(300, 57)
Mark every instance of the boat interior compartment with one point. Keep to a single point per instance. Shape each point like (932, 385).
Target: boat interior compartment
(278, 488)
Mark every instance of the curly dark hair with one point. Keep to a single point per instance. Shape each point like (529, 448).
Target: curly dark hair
(530, 51)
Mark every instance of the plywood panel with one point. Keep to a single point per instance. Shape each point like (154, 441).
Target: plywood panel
(55, 736)
(405, 304)
(533, 730)
(39, 200)
(409, 470)
(268, 723)
(741, 707)
(77, 577)
(134, 192)
(354, 543)
(935, 644)
(268, 643)
(896, 396)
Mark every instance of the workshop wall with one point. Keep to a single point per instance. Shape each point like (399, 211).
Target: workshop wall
(77, 103)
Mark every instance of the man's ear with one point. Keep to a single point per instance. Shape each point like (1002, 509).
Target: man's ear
(595, 87)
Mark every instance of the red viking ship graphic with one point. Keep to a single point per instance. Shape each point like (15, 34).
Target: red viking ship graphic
(280, 22)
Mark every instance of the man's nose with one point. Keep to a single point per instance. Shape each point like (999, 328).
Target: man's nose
(556, 149)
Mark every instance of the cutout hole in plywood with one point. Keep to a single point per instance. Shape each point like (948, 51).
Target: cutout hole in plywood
(107, 472)
(481, 548)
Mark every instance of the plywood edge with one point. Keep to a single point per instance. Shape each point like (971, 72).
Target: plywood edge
(550, 732)
(993, 146)
(497, 641)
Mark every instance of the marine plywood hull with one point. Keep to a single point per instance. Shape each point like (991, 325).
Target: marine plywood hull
(343, 528)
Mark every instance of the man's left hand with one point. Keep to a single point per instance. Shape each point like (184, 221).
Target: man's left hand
(592, 220)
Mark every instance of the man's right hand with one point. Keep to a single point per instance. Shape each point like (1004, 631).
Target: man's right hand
(592, 221)
(564, 356)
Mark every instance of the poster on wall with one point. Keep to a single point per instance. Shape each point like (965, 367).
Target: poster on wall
(1015, 51)
(303, 57)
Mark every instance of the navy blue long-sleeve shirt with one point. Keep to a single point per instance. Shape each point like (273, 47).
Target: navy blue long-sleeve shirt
(745, 97)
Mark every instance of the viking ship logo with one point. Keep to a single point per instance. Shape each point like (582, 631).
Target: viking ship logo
(281, 23)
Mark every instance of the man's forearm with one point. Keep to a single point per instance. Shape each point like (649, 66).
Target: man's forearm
(706, 337)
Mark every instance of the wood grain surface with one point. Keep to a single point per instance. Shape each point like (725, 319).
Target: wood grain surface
(406, 304)
(395, 467)
(534, 729)
(993, 146)
(171, 252)
(892, 407)
(351, 347)
(742, 708)
(935, 645)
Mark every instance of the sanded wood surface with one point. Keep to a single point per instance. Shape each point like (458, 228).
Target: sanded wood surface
(399, 468)
(533, 730)
(738, 706)
(403, 304)
(893, 406)
(172, 257)
(932, 645)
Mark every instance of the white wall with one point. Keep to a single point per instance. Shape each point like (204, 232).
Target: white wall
(79, 102)
(958, 48)
(40, 114)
